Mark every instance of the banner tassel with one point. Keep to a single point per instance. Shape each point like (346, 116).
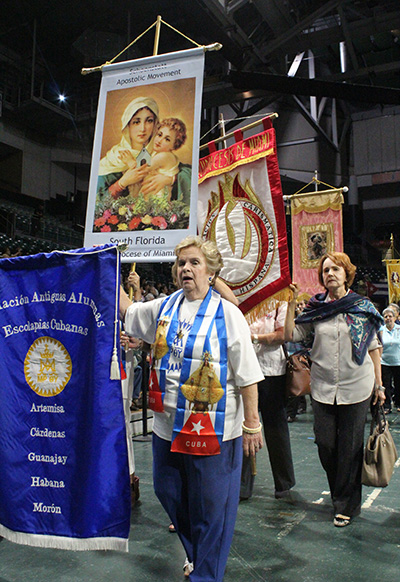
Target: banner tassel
(115, 372)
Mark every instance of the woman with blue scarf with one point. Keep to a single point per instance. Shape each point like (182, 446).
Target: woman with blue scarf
(203, 392)
(341, 327)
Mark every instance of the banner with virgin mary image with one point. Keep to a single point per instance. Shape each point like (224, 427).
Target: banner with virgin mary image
(241, 208)
(142, 190)
(64, 479)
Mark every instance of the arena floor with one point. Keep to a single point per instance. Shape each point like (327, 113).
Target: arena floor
(275, 541)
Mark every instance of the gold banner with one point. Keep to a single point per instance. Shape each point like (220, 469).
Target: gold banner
(393, 277)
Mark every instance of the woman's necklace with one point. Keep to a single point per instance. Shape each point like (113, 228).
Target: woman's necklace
(184, 326)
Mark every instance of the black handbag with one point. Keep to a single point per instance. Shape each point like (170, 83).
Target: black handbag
(380, 452)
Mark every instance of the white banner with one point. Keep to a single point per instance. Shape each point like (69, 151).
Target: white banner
(241, 209)
(142, 190)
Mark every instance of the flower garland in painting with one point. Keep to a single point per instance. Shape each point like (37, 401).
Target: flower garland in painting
(136, 213)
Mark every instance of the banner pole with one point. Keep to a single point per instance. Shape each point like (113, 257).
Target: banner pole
(249, 126)
(157, 36)
(216, 46)
(155, 52)
(221, 124)
(133, 267)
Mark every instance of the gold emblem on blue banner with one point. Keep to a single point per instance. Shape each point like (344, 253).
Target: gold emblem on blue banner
(47, 366)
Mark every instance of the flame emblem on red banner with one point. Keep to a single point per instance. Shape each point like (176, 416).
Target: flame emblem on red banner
(238, 223)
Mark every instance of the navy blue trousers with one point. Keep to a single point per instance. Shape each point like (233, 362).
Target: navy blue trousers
(201, 496)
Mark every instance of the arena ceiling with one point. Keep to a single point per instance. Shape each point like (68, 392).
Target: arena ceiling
(354, 46)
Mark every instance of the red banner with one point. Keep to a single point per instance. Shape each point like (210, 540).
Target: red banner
(241, 208)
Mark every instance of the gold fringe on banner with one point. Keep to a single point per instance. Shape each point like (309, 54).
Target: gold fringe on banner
(267, 305)
(304, 297)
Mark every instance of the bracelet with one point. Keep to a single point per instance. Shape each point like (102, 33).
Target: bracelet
(381, 388)
(251, 430)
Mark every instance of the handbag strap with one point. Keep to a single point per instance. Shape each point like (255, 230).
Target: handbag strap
(378, 419)
(381, 418)
(285, 352)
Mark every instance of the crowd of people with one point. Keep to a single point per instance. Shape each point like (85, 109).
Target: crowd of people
(212, 373)
(8, 253)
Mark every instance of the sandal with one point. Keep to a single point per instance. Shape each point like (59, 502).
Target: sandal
(341, 520)
(187, 568)
(171, 528)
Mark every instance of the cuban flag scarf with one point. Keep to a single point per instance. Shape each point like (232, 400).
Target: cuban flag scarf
(200, 414)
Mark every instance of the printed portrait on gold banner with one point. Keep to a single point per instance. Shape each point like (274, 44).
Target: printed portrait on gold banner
(393, 277)
(315, 241)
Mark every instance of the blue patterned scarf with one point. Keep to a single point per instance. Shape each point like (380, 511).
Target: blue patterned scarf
(361, 317)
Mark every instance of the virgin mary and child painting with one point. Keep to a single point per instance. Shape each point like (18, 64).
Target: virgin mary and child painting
(144, 179)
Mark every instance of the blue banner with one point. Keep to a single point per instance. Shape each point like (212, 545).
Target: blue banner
(64, 479)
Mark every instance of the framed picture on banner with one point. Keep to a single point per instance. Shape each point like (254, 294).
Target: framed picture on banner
(315, 241)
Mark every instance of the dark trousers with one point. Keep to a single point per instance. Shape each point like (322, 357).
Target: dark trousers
(391, 381)
(137, 382)
(294, 404)
(271, 403)
(339, 434)
(201, 496)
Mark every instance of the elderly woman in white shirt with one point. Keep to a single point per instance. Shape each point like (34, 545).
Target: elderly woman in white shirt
(203, 391)
(390, 337)
(267, 337)
(345, 373)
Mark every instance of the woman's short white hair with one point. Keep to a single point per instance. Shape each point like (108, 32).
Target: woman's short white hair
(208, 248)
(388, 310)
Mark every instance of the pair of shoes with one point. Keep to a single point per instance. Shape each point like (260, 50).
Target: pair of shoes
(282, 494)
(291, 418)
(187, 568)
(301, 411)
(171, 528)
(135, 493)
(341, 520)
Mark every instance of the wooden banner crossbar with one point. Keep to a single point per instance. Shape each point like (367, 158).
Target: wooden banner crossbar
(216, 46)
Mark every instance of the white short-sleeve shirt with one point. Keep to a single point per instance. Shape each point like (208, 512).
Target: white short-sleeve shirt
(243, 367)
(271, 358)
